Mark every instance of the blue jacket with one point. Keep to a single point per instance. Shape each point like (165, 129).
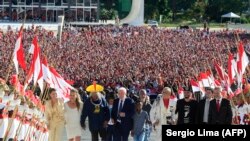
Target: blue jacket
(96, 120)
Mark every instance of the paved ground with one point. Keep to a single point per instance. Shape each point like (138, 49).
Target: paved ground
(86, 136)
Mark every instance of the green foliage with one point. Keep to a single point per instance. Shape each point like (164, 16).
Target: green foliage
(197, 11)
(244, 20)
(108, 14)
(186, 10)
(216, 8)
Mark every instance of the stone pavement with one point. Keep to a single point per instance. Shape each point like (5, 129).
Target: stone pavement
(86, 135)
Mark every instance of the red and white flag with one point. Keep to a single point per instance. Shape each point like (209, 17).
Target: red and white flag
(242, 62)
(217, 83)
(195, 85)
(46, 72)
(204, 79)
(60, 84)
(180, 92)
(210, 78)
(18, 54)
(36, 67)
(219, 69)
(201, 86)
(231, 68)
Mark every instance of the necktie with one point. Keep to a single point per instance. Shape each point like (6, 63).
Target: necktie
(218, 105)
(120, 106)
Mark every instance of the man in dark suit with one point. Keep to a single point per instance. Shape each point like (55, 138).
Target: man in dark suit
(203, 107)
(220, 111)
(122, 113)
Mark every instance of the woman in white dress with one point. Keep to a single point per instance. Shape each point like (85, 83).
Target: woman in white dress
(73, 109)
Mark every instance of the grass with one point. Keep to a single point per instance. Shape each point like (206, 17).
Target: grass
(197, 25)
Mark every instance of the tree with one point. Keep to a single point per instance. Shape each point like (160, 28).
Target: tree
(104, 14)
(197, 11)
(151, 9)
(179, 6)
(216, 8)
(163, 7)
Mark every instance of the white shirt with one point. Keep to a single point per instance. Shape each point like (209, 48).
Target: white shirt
(206, 110)
(219, 100)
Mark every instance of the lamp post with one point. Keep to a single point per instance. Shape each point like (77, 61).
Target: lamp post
(248, 10)
(98, 10)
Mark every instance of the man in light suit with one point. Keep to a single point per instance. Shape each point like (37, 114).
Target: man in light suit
(220, 111)
(122, 113)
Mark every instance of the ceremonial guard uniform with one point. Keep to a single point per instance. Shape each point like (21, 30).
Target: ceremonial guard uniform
(4, 114)
(23, 122)
(14, 119)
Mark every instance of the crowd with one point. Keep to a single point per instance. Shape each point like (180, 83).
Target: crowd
(133, 62)
(131, 56)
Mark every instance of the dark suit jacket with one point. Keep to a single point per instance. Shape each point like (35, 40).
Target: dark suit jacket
(224, 116)
(129, 110)
(200, 112)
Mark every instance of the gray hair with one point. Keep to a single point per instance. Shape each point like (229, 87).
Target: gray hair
(122, 89)
(218, 88)
(142, 91)
(167, 89)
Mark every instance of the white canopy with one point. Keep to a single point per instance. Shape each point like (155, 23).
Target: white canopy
(230, 15)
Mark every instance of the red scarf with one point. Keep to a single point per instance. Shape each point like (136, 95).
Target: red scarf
(166, 102)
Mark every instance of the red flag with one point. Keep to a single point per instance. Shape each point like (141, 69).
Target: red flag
(219, 70)
(18, 54)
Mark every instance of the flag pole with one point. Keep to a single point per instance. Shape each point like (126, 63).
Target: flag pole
(45, 93)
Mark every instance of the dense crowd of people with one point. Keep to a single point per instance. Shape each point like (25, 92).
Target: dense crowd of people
(130, 56)
(132, 62)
